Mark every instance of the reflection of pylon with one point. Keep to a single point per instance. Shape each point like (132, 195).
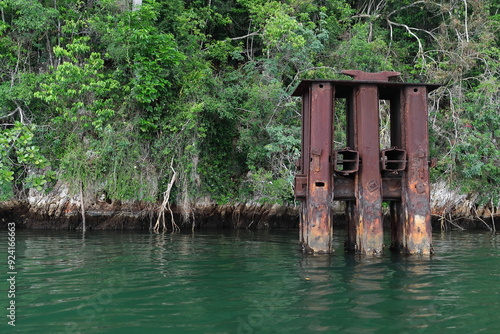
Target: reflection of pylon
(421, 320)
(360, 173)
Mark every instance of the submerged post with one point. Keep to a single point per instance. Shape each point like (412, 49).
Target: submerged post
(369, 238)
(317, 186)
(359, 172)
(415, 182)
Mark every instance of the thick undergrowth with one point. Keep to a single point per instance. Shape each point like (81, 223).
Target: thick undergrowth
(111, 99)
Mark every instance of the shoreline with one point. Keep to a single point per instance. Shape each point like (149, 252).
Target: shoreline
(256, 216)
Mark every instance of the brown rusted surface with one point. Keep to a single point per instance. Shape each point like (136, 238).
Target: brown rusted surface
(397, 226)
(343, 88)
(361, 174)
(350, 210)
(317, 224)
(306, 131)
(380, 76)
(304, 159)
(346, 161)
(393, 160)
(391, 188)
(300, 186)
(397, 219)
(345, 189)
(368, 206)
(416, 185)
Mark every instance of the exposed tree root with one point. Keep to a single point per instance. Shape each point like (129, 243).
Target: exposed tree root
(165, 205)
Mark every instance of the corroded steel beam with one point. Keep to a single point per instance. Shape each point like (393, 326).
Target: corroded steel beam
(368, 204)
(301, 181)
(360, 173)
(397, 218)
(415, 182)
(316, 223)
(366, 76)
(345, 189)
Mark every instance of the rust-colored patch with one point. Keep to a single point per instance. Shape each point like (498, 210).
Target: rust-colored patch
(361, 173)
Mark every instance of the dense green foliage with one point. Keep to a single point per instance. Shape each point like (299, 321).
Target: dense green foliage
(97, 94)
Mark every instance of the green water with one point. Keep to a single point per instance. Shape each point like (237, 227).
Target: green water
(246, 282)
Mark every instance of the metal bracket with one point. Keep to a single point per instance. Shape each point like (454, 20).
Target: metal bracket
(300, 187)
(346, 161)
(393, 160)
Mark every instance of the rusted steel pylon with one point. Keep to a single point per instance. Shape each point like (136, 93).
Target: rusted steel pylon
(361, 174)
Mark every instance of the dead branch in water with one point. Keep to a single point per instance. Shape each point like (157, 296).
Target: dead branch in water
(82, 207)
(165, 205)
(454, 224)
(482, 220)
(493, 216)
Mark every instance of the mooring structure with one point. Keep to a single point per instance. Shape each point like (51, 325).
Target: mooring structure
(361, 173)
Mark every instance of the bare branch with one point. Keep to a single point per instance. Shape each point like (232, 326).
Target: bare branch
(166, 205)
(365, 16)
(82, 207)
(482, 220)
(409, 30)
(18, 109)
(465, 23)
(246, 36)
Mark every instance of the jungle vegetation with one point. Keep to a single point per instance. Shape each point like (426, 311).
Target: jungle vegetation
(113, 99)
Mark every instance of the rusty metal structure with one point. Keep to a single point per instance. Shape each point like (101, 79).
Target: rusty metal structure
(361, 173)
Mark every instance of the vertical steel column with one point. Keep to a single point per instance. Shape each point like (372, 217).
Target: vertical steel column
(316, 229)
(415, 183)
(397, 219)
(350, 210)
(305, 161)
(368, 209)
(399, 174)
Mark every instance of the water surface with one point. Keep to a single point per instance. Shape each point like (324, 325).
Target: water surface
(247, 282)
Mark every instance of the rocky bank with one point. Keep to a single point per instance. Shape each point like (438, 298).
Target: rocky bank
(60, 210)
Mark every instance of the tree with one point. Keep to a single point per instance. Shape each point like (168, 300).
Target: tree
(108, 94)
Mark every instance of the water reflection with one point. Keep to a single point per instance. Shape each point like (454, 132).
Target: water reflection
(367, 292)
